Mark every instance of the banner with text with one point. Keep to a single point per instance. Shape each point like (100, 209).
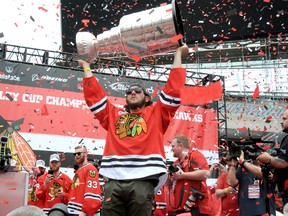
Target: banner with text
(45, 109)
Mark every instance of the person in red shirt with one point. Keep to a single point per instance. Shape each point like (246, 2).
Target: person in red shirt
(54, 185)
(228, 194)
(160, 200)
(133, 160)
(85, 194)
(34, 183)
(188, 174)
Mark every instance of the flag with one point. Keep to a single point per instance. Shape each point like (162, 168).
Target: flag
(256, 92)
(201, 95)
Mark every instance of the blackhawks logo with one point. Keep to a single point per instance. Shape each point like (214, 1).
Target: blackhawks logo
(54, 189)
(130, 125)
(92, 173)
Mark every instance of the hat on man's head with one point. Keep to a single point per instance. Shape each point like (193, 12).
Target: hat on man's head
(40, 163)
(54, 157)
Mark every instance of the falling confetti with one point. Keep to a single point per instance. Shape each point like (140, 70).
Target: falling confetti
(256, 93)
(9, 97)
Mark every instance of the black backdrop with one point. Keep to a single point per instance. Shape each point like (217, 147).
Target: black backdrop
(203, 20)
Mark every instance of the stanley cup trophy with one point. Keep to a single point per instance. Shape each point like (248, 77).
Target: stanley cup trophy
(146, 33)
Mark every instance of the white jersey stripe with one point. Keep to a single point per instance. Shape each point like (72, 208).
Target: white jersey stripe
(169, 100)
(97, 107)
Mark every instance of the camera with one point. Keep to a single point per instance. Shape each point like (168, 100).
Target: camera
(253, 148)
(273, 151)
(234, 151)
(267, 168)
(215, 171)
(251, 152)
(195, 196)
(173, 168)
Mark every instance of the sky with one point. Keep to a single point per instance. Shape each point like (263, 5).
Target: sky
(31, 23)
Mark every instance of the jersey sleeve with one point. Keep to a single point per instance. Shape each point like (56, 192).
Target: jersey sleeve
(96, 99)
(41, 191)
(67, 184)
(169, 98)
(92, 195)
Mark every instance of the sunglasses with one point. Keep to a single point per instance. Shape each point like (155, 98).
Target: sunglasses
(78, 153)
(136, 90)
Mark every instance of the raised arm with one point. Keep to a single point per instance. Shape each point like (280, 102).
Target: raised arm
(86, 67)
(255, 170)
(170, 95)
(183, 50)
(95, 95)
(231, 177)
(274, 161)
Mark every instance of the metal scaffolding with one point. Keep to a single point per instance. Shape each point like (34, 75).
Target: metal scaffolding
(124, 67)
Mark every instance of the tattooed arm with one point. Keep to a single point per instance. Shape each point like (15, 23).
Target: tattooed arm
(274, 161)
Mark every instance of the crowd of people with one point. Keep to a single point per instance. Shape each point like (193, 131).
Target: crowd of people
(255, 185)
(81, 196)
(138, 180)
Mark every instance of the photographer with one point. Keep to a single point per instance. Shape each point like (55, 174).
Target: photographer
(252, 191)
(188, 174)
(280, 162)
(228, 194)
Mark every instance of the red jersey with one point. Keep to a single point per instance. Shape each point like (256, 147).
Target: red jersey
(194, 160)
(34, 185)
(134, 144)
(62, 183)
(160, 201)
(85, 193)
(230, 201)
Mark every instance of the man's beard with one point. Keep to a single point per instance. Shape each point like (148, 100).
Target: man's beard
(135, 106)
(40, 173)
(80, 160)
(56, 169)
